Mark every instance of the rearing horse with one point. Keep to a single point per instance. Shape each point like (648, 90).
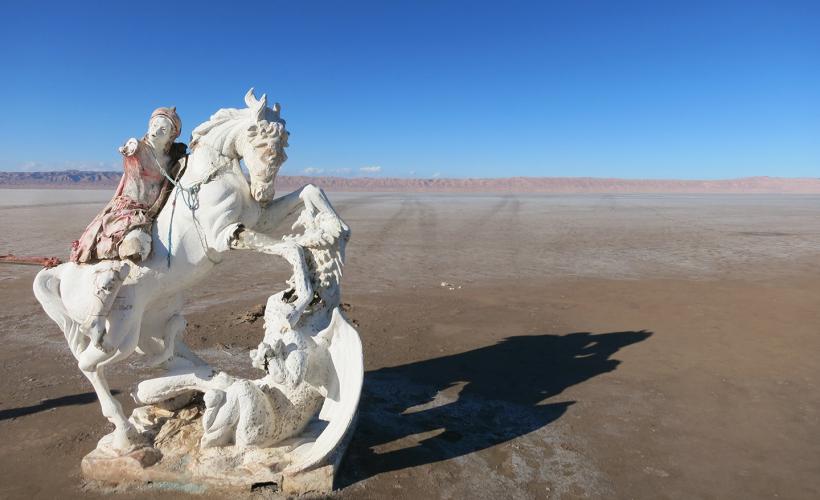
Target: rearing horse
(212, 210)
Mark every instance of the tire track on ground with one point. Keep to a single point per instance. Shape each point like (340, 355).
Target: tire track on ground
(512, 225)
(406, 211)
(485, 217)
(559, 238)
(486, 230)
(425, 236)
(346, 206)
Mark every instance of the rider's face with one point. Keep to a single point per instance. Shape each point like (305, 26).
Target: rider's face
(160, 130)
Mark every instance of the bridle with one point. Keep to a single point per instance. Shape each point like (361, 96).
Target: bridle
(190, 196)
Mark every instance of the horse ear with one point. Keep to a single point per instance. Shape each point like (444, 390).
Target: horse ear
(250, 99)
(277, 107)
(260, 111)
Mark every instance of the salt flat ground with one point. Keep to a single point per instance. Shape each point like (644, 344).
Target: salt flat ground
(610, 346)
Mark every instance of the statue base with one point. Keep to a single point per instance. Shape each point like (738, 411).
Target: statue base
(176, 462)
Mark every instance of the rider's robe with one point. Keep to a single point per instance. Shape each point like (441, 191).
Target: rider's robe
(142, 192)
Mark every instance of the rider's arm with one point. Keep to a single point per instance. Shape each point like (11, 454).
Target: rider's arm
(129, 148)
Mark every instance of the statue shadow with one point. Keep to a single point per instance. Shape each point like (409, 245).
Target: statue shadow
(446, 407)
(49, 404)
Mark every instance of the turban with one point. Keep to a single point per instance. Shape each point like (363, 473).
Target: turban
(171, 114)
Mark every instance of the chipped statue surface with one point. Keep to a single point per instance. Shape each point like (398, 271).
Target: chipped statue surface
(197, 425)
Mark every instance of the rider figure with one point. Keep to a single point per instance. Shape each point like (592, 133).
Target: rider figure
(122, 230)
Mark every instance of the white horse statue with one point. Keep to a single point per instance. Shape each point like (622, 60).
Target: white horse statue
(221, 212)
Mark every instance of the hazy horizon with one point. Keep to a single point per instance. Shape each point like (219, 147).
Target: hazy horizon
(390, 177)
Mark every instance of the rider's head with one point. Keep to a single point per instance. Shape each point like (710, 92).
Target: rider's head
(164, 127)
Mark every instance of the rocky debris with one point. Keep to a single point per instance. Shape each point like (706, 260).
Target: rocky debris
(175, 459)
(450, 286)
(250, 316)
(347, 308)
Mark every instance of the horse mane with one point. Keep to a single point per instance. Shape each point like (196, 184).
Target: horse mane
(221, 128)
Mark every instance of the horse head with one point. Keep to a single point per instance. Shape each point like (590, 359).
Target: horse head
(255, 134)
(263, 147)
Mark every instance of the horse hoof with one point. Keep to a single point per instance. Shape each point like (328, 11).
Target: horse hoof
(125, 442)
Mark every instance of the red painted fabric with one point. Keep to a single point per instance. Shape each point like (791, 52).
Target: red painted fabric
(139, 197)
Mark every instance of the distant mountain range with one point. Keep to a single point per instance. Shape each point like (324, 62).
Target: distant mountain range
(59, 179)
(76, 179)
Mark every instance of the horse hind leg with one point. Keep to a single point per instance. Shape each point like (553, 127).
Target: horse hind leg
(107, 280)
(123, 332)
(171, 331)
(125, 436)
(184, 355)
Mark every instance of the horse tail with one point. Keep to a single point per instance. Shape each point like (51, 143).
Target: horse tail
(47, 291)
(340, 406)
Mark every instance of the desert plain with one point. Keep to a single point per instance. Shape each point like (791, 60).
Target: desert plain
(583, 346)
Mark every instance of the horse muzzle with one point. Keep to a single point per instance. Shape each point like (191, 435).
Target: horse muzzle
(262, 192)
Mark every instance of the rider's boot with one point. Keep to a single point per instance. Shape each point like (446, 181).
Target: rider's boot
(107, 283)
(136, 246)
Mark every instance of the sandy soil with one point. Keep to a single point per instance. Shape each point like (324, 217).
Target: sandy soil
(599, 347)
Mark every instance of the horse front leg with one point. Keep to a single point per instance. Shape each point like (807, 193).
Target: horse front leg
(246, 239)
(314, 200)
(277, 211)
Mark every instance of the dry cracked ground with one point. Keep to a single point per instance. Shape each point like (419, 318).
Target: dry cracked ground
(589, 347)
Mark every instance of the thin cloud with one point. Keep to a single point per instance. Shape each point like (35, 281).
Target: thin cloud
(436, 175)
(370, 170)
(313, 171)
(30, 166)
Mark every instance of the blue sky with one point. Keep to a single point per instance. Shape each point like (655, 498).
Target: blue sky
(421, 89)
